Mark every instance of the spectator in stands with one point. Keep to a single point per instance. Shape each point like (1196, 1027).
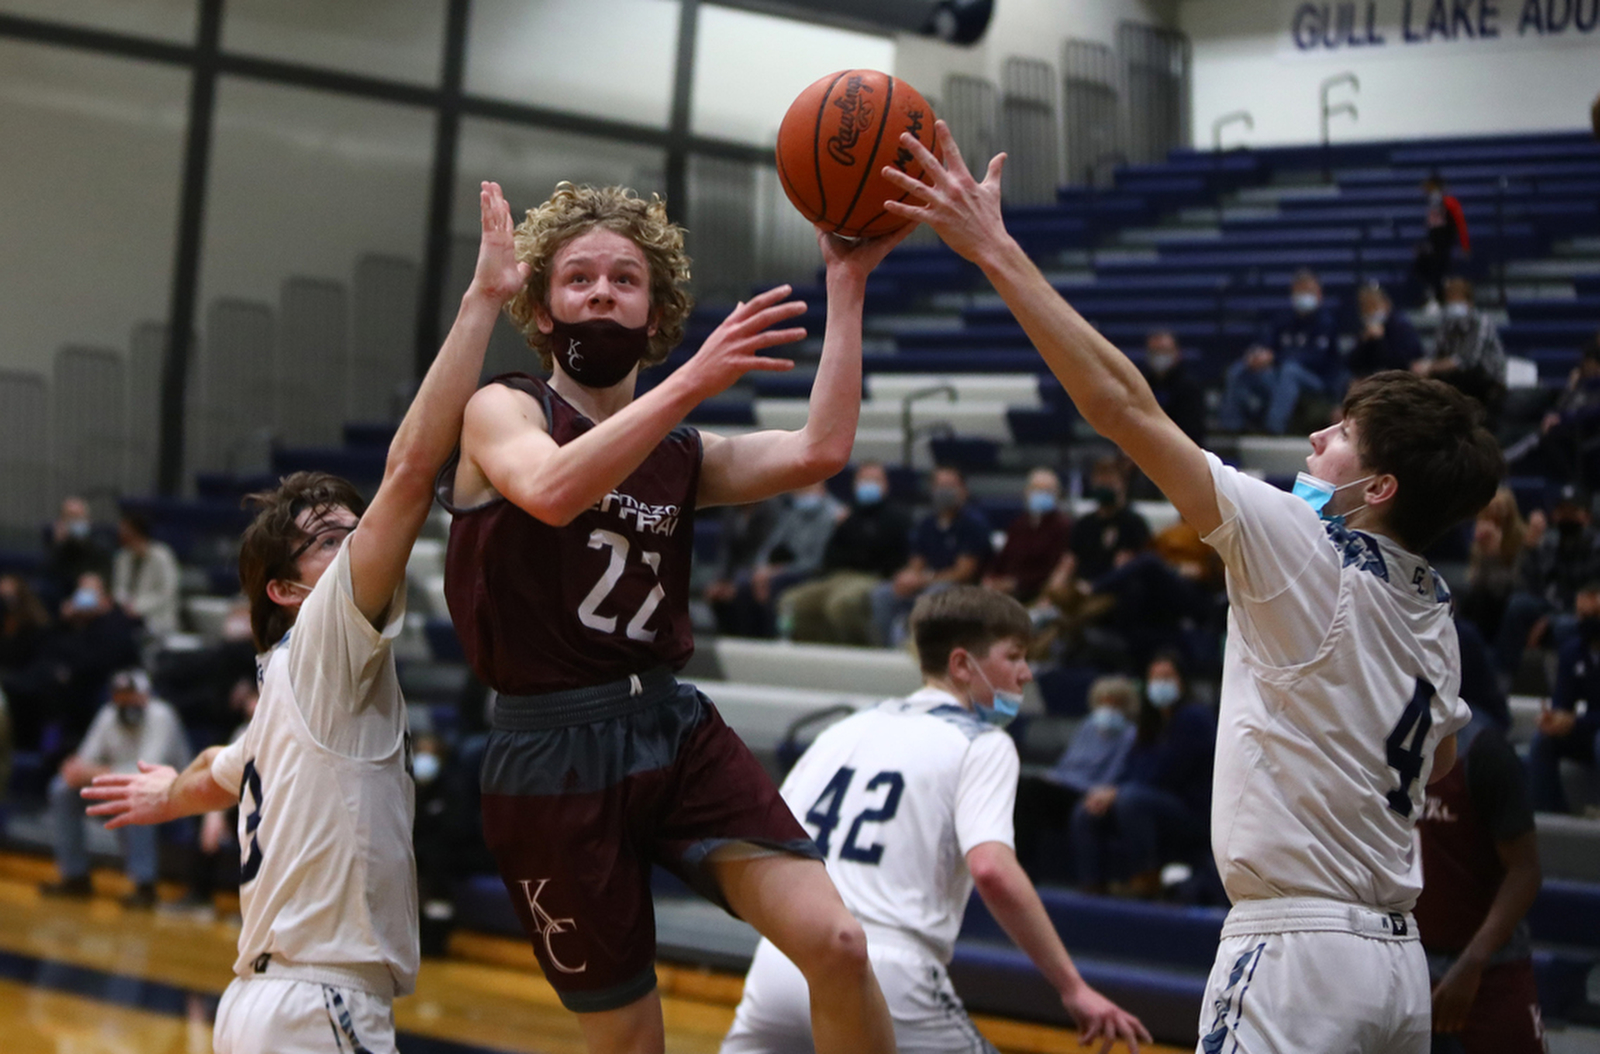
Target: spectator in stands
(744, 529)
(1296, 356)
(1480, 683)
(72, 550)
(1564, 734)
(949, 546)
(791, 554)
(1158, 808)
(144, 577)
(1035, 541)
(1447, 225)
(1153, 605)
(1494, 564)
(1112, 533)
(1065, 619)
(1480, 866)
(1565, 447)
(130, 728)
(1557, 561)
(215, 864)
(1179, 394)
(1386, 339)
(1467, 353)
(867, 546)
(1093, 758)
(23, 624)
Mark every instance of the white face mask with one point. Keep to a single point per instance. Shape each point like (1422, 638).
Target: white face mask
(1377, 318)
(1305, 303)
(1457, 309)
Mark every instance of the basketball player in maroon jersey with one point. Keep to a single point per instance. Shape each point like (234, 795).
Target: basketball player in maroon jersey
(1480, 875)
(567, 576)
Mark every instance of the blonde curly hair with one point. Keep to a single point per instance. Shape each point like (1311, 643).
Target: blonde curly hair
(573, 211)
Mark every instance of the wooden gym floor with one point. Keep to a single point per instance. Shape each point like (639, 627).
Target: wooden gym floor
(91, 978)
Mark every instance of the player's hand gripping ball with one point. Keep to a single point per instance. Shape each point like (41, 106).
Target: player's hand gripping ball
(834, 142)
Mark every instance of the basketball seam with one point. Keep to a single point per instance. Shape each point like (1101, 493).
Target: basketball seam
(798, 200)
(816, 142)
(872, 155)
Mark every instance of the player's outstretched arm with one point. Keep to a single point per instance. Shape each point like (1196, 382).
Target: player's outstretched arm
(158, 793)
(507, 439)
(747, 468)
(1015, 905)
(382, 541)
(1106, 387)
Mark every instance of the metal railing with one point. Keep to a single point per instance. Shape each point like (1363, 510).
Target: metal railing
(1329, 112)
(908, 432)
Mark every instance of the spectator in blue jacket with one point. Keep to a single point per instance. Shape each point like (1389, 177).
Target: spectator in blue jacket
(950, 546)
(1295, 355)
(1159, 807)
(1562, 733)
(1386, 339)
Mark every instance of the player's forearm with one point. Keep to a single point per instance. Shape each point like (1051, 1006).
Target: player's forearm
(195, 791)
(1105, 386)
(1015, 905)
(835, 407)
(1512, 901)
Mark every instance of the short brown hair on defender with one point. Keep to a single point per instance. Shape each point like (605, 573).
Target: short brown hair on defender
(575, 211)
(1430, 437)
(269, 542)
(969, 617)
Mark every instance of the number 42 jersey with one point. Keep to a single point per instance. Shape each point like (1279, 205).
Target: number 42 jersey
(543, 609)
(895, 797)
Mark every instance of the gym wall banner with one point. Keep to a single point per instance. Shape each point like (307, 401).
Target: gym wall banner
(1373, 28)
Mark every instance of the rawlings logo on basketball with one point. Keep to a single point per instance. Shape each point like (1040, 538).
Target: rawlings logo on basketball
(902, 156)
(855, 118)
(548, 926)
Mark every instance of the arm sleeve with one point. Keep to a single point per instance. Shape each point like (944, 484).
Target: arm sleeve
(227, 768)
(986, 792)
(1498, 787)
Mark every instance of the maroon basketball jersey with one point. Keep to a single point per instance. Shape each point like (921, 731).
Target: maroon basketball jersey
(1461, 871)
(545, 609)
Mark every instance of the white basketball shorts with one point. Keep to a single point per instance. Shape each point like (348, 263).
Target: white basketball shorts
(277, 1015)
(1308, 976)
(774, 1017)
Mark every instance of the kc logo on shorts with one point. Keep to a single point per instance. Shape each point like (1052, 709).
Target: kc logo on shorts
(549, 927)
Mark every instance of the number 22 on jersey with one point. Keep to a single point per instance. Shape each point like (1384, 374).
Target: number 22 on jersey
(589, 610)
(824, 814)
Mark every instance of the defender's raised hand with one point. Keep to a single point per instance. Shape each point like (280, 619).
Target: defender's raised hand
(498, 275)
(966, 213)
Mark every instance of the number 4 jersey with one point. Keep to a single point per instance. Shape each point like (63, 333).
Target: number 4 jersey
(895, 797)
(544, 609)
(1340, 678)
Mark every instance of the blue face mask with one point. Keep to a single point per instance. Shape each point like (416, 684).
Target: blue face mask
(1002, 708)
(1107, 720)
(1041, 502)
(1318, 492)
(1162, 694)
(85, 599)
(869, 492)
(807, 502)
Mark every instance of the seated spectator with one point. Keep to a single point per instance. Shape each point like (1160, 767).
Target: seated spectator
(1297, 355)
(215, 864)
(791, 554)
(1065, 620)
(1564, 734)
(866, 547)
(1152, 605)
(1112, 533)
(24, 624)
(1565, 445)
(1093, 758)
(1179, 394)
(1494, 563)
(1447, 225)
(1386, 339)
(72, 551)
(1557, 561)
(144, 577)
(744, 531)
(1035, 541)
(130, 728)
(1158, 807)
(949, 547)
(1467, 353)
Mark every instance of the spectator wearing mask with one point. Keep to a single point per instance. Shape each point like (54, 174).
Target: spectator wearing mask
(1297, 355)
(1386, 339)
(744, 531)
(1112, 533)
(131, 727)
(866, 547)
(72, 551)
(1158, 807)
(1562, 733)
(1565, 446)
(791, 554)
(1179, 394)
(1560, 555)
(949, 547)
(1467, 354)
(144, 577)
(1093, 758)
(1447, 226)
(1035, 541)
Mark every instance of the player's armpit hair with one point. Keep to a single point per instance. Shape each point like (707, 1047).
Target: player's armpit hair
(573, 211)
(268, 545)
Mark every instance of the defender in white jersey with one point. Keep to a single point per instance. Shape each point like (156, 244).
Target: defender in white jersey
(328, 883)
(910, 803)
(1341, 671)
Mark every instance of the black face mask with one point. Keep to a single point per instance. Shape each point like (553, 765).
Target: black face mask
(130, 716)
(1570, 530)
(600, 352)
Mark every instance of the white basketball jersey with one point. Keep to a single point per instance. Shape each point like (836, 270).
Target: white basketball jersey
(1340, 678)
(895, 797)
(328, 876)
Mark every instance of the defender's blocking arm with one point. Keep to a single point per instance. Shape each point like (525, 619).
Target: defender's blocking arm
(158, 793)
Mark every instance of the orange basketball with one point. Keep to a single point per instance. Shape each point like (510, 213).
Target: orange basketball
(835, 140)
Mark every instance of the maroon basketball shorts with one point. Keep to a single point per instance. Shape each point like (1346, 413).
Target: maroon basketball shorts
(584, 790)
